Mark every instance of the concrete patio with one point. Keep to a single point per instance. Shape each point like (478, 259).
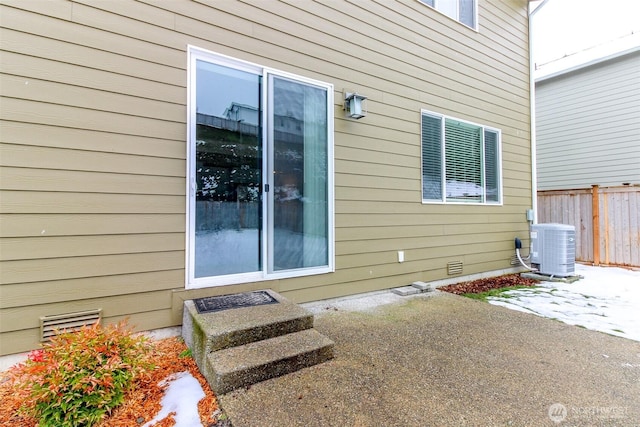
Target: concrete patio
(443, 360)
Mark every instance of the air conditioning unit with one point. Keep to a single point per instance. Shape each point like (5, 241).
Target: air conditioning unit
(554, 249)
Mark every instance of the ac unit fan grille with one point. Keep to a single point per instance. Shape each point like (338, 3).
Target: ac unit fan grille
(553, 249)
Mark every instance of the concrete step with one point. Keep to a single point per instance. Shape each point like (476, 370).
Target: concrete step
(239, 346)
(207, 332)
(229, 369)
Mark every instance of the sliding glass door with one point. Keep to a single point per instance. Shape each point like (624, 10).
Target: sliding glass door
(228, 171)
(260, 199)
(299, 157)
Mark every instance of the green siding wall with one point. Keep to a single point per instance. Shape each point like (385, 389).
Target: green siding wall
(93, 145)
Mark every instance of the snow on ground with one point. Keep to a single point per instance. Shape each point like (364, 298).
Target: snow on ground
(181, 396)
(607, 299)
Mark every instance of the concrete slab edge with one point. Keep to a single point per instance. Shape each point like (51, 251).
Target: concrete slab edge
(422, 287)
(545, 278)
(405, 290)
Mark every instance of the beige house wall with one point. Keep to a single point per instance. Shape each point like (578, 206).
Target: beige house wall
(93, 145)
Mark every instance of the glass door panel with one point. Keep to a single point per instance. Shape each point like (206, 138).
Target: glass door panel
(299, 206)
(228, 171)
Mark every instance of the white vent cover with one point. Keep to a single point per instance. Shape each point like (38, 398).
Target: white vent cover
(454, 267)
(554, 249)
(71, 322)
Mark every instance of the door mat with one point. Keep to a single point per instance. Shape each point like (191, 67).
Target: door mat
(226, 302)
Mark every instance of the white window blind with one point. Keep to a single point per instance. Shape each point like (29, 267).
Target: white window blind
(463, 153)
(460, 161)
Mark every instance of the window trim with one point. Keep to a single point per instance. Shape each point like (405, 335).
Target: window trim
(191, 282)
(443, 200)
(475, 26)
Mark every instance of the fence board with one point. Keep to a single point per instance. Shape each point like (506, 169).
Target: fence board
(586, 230)
(618, 216)
(634, 224)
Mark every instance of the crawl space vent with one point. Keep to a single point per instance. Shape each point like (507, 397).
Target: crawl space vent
(454, 267)
(70, 322)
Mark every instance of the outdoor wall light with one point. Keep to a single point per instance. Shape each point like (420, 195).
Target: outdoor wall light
(353, 103)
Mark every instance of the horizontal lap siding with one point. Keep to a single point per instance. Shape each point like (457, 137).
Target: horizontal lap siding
(94, 151)
(93, 170)
(588, 126)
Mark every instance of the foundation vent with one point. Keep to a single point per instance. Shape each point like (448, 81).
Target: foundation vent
(454, 267)
(70, 322)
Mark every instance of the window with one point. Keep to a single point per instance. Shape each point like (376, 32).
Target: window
(260, 168)
(463, 11)
(460, 161)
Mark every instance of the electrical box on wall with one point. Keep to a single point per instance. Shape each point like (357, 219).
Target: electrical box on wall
(530, 215)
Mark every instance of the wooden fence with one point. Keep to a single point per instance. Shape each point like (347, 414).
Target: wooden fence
(607, 221)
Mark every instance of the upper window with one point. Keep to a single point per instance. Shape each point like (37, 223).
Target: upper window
(463, 11)
(460, 161)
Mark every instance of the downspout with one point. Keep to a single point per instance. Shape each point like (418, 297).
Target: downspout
(533, 219)
(532, 115)
(532, 107)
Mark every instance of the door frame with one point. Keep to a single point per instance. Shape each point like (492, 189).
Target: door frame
(191, 282)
